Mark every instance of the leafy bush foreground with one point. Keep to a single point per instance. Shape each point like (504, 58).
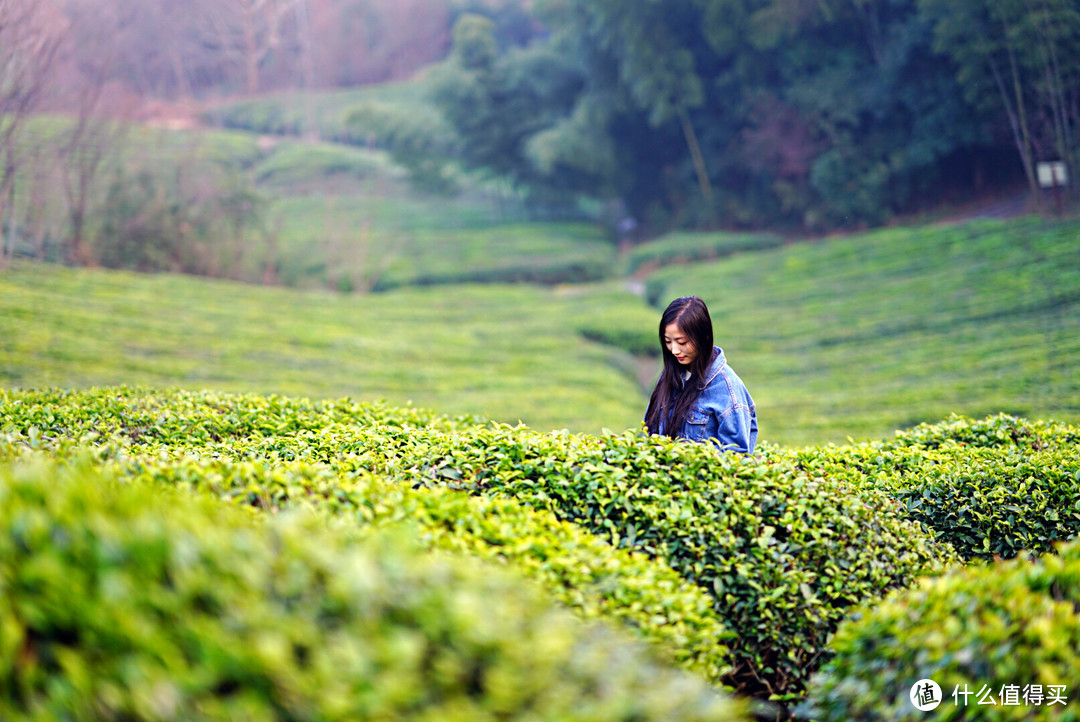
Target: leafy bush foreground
(991, 488)
(124, 602)
(739, 569)
(1002, 642)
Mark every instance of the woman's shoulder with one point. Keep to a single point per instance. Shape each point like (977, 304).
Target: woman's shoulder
(716, 366)
(723, 384)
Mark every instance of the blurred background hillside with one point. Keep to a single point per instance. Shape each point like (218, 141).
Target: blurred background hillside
(838, 179)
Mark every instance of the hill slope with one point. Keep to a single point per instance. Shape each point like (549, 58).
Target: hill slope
(505, 352)
(853, 336)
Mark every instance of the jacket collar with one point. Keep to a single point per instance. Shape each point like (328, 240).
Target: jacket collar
(717, 364)
(715, 367)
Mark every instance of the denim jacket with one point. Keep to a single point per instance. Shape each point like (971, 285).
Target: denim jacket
(724, 414)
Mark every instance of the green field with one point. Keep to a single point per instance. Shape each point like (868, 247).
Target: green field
(461, 305)
(859, 335)
(847, 337)
(510, 353)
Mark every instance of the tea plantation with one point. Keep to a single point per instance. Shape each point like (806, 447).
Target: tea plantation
(179, 554)
(508, 352)
(860, 335)
(842, 338)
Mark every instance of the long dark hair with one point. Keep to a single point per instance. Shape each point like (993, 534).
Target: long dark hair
(671, 399)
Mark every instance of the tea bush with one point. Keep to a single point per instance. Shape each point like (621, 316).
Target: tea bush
(783, 554)
(991, 487)
(683, 247)
(274, 453)
(995, 630)
(576, 568)
(124, 602)
(739, 568)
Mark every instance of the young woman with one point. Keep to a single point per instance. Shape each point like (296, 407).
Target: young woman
(698, 396)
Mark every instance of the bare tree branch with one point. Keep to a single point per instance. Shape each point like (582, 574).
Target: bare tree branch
(30, 36)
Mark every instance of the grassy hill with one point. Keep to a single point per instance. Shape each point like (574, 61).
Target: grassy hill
(840, 337)
(848, 337)
(507, 352)
(890, 328)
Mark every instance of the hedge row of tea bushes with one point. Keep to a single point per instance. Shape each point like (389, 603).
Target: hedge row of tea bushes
(991, 487)
(271, 453)
(127, 601)
(1007, 633)
(783, 554)
(576, 568)
(737, 568)
(777, 555)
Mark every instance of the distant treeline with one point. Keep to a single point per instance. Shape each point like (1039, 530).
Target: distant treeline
(796, 114)
(772, 112)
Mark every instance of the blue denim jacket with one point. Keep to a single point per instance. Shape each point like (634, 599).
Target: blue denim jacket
(724, 414)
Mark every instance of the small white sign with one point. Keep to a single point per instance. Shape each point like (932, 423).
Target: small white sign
(1052, 174)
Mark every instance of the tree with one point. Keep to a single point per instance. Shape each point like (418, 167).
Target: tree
(93, 134)
(1022, 56)
(247, 32)
(498, 103)
(652, 47)
(30, 36)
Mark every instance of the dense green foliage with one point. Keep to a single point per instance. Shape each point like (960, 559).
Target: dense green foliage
(737, 568)
(980, 629)
(781, 554)
(124, 601)
(276, 453)
(991, 488)
(776, 112)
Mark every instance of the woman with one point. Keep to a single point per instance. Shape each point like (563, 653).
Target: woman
(698, 396)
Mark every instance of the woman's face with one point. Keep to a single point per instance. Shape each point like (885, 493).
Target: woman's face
(679, 344)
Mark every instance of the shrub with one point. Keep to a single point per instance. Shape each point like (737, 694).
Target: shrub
(118, 602)
(990, 487)
(783, 554)
(576, 568)
(273, 453)
(997, 431)
(128, 416)
(977, 629)
(989, 503)
(678, 248)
